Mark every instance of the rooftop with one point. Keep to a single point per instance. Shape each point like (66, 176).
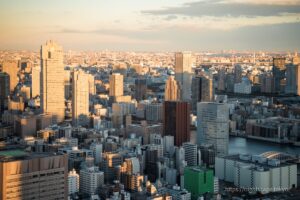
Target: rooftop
(12, 153)
(20, 154)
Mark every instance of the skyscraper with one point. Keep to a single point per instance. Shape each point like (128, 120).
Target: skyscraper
(221, 79)
(296, 59)
(116, 85)
(183, 73)
(140, 89)
(202, 90)
(267, 83)
(238, 73)
(278, 70)
(52, 81)
(4, 91)
(92, 88)
(11, 68)
(33, 176)
(172, 90)
(177, 121)
(213, 125)
(293, 79)
(80, 98)
(35, 81)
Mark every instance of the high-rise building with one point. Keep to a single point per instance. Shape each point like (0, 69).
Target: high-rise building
(67, 84)
(73, 182)
(97, 149)
(132, 182)
(111, 162)
(90, 180)
(213, 125)
(4, 91)
(140, 89)
(151, 165)
(172, 90)
(278, 70)
(25, 126)
(296, 59)
(198, 181)
(202, 90)
(80, 98)
(33, 176)
(177, 121)
(267, 83)
(11, 68)
(238, 73)
(221, 79)
(116, 85)
(92, 87)
(293, 79)
(35, 81)
(243, 87)
(191, 152)
(52, 81)
(183, 73)
(153, 112)
(130, 174)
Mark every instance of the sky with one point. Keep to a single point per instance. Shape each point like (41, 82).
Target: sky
(151, 25)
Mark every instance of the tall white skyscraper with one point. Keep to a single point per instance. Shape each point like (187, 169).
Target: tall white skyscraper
(80, 98)
(35, 81)
(213, 125)
(52, 81)
(183, 73)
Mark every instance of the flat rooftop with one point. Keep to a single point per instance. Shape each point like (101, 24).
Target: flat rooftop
(13, 153)
(198, 168)
(20, 154)
(265, 165)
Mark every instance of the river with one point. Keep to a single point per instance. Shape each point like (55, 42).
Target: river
(250, 146)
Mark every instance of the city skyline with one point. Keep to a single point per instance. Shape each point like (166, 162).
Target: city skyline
(156, 100)
(152, 26)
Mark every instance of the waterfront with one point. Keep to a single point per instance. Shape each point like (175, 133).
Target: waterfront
(251, 146)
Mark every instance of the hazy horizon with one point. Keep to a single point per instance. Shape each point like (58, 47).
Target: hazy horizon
(155, 26)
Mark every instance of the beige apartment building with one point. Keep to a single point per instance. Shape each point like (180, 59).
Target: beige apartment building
(25, 176)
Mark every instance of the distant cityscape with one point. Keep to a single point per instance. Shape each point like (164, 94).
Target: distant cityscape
(146, 125)
(149, 100)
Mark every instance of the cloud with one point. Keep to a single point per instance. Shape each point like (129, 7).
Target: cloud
(234, 8)
(265, 2)
(171, 17)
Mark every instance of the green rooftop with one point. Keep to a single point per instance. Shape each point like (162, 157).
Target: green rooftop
(12, 153)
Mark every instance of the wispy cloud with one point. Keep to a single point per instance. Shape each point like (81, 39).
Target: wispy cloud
(227, 14)
(234, 8)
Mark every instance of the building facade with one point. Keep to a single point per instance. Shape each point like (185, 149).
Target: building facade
(177, 121)
(183, 73)
(80, 99)
(213, 125)
(52, 81)
(33, 176)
